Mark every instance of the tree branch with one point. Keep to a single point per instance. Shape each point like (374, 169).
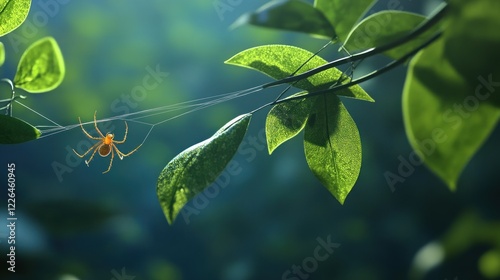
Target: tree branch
(424, 26)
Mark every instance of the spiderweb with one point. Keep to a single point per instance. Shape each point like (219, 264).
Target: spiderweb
(141, 117)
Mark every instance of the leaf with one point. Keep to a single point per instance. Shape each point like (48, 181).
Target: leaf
(472, 39)
(191, 171)
(285, 120)
(292, 15)
(15, 131)
(385, 27)
(12, 14)
(2, 54)
(41, 67)
(343, 15)
(332, 146)
(281, 61)
(446, 119)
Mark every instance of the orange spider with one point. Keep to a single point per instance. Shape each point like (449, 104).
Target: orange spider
(106, 145)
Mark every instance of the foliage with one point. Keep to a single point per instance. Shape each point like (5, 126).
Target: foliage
(12, 14)
(438, 78)
(400, 24)
(2, 54)
(16, 131)
(198, 166)
(450, 106)
(446, 129)
(40, 69)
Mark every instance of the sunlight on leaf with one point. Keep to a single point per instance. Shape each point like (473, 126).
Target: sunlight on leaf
(446, 119)
(15, 131)
(385, 27)
(41, 67)
(12, 14)
(2, 54)
(292, 15)
(332, 146)
(343, 15)
(280, 61)
(191, 171)
(285, 120)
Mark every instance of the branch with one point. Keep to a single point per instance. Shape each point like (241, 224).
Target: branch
(424, 26)
(366, 77)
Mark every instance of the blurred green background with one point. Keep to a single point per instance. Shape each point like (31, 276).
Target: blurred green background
(81, 224)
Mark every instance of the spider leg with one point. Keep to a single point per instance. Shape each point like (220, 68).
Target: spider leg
(124, 137)
(95, 124)
(86, 133)
(127, 154)
(118, 152)
(90, 149)
(110, 161)
(92, 156)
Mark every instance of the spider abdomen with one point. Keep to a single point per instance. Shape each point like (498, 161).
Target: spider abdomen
(104, 150)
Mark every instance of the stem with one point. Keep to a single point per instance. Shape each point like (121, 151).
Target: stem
(8, 107)
(437, 15)
(366, 77)
(424, 26)
(298, 69)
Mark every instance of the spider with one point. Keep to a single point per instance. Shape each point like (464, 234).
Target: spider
(105, 145)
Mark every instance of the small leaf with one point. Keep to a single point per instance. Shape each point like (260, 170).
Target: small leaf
(343, 15)
(285, 120)
(191, 171)
(2, 54)
(384, 27)
(12, 14)
(446, 119)
(281, 61)
(41, 67)
(332, 146)
(292, 15)
(15, 131)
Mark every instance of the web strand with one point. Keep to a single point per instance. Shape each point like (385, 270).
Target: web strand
(139, 116)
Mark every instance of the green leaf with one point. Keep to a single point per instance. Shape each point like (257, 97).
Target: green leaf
(292, 15)
(15, 131)
(446, 119)
(473, 40)
(2, 54)
(333, 146)
(190, 172)
(41, 67)
(281, 61)
(385, 27)
(285, 120)
(12, 14)
(343, 15)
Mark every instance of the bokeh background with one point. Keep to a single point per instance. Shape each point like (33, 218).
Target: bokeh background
(77, 223)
